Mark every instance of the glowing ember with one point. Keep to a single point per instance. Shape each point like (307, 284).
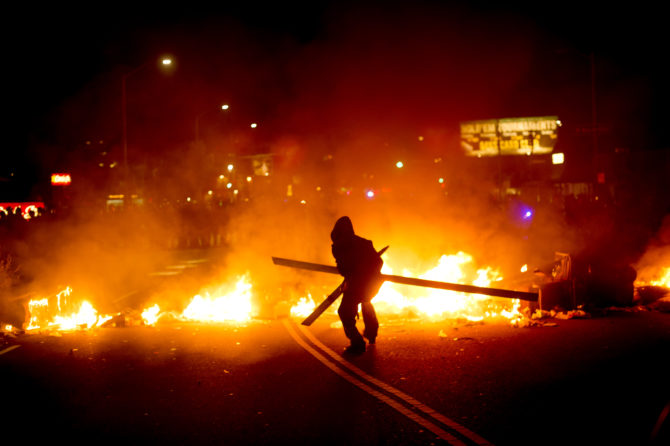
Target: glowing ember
(399, 300)
(60, 313)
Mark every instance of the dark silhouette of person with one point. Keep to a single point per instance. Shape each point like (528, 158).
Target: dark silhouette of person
(360, 265)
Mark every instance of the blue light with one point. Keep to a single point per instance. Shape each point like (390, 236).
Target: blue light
(521, 214)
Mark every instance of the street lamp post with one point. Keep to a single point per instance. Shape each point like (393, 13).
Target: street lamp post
(591, 56)
(124, 110)
(594, 116)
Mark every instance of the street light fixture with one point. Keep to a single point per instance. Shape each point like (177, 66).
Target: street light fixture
(224, 107)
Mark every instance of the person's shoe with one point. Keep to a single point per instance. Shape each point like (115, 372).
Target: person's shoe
(355, 349)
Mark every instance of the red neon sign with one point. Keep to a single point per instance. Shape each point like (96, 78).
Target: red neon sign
(24, 208)
(61, 179)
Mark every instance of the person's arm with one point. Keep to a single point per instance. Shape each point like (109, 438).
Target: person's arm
(343, 263)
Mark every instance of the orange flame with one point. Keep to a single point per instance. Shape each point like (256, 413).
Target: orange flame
(150, 315)
(653, 276)
(60, 314)
(230, 306)
(399, 300)
(664, 279)
(304, 307)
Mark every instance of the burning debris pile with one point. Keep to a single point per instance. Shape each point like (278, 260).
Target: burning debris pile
(399, 301)
(64, 311)
(652, 285)
(236, 299)
(232, 303)
(655, 295)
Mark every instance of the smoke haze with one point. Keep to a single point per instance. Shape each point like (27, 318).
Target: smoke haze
(340, 97)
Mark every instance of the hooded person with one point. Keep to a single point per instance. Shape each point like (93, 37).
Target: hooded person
(360, 265)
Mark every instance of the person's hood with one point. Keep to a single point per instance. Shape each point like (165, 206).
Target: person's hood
(343, 229)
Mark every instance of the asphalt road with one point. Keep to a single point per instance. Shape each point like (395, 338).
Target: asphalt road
(603, 380)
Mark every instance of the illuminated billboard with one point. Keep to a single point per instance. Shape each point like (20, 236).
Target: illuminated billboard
(510, 136)
(61, 179)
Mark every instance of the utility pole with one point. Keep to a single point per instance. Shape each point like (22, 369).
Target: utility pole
(594, 116)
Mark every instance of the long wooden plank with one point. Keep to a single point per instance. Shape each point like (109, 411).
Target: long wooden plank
(462, 288)
(305, 265)
(472, 289)
(323, 306)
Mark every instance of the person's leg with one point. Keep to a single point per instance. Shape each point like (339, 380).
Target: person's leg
(370, 321)
(347, 312)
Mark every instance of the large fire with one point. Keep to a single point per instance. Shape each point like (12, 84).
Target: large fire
(663, 279)
(231, 306)
(228, 304)
(62, 312)
(232, 303)
(653, 276)
(402, 300)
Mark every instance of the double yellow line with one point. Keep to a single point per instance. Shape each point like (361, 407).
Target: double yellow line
(435, 422)
(9, 349)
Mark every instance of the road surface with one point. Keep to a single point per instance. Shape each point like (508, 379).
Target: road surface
(602, 380)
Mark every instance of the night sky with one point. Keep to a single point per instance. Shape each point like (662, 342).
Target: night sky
(325, 68)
